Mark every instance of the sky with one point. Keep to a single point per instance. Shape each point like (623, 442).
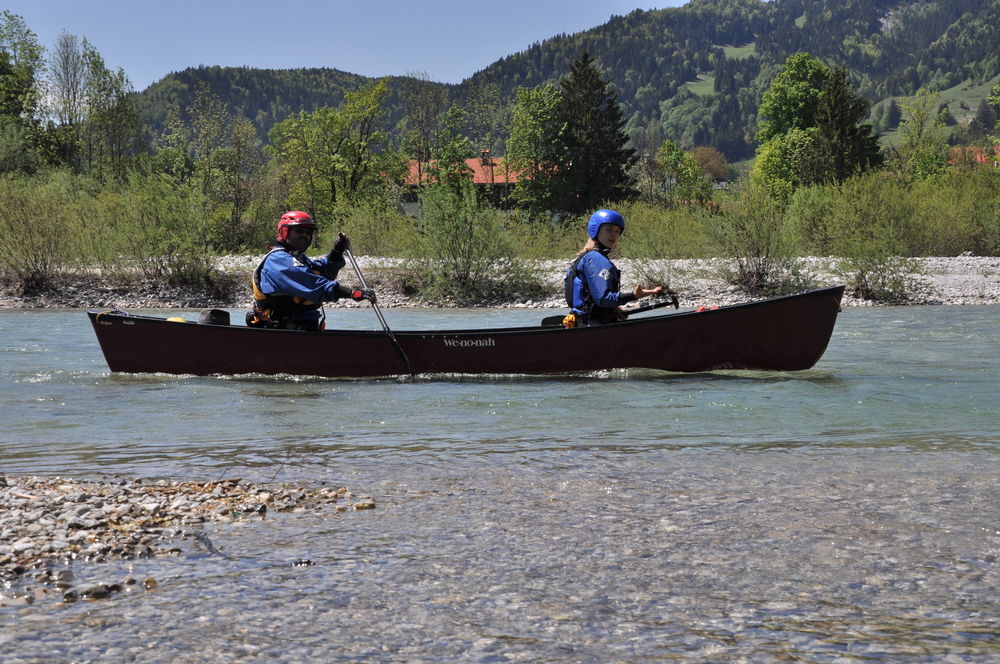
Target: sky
(448, 40)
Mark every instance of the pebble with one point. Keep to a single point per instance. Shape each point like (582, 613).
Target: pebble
(44, 524)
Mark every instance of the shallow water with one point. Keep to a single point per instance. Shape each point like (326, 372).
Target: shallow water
(847, 513)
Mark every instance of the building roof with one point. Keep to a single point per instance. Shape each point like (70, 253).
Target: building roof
(975, 154)
(485, 170)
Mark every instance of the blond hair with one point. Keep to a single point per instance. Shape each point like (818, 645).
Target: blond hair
(589, 245)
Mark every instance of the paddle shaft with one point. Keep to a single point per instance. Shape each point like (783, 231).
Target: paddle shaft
(378, 312)
(556, 320)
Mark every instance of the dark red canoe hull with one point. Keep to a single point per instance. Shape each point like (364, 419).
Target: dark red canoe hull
(781, 334)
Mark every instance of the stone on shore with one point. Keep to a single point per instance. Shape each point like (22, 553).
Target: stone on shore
(48, 523)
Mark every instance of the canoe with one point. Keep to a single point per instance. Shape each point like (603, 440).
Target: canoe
(787, 333)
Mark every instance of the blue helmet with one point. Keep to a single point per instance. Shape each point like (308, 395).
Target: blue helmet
(603, 217)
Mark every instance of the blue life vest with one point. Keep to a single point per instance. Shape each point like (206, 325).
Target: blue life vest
(580, 298)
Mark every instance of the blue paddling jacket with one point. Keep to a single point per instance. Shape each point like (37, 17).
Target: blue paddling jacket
(593, 287)
(290, 288)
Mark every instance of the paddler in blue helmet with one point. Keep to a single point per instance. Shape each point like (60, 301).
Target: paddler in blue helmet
(593, 282)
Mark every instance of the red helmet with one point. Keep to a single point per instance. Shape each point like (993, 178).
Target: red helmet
(294, 218)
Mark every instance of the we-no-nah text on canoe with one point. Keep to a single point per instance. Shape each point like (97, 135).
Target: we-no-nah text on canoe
(465, 343)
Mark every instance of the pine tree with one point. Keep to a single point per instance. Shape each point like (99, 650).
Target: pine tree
(893, 115)
(596, 162)
(843, 144)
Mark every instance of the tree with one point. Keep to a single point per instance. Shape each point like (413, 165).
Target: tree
(923, 147)
(68, 80)
(112, 130)
(489, 116)
(791, 100)
(811, 125)
(785, 162)
(21, 64)
(172, 149)
(335, 155)
(682, 176)
(893, 115)
(533, 150)
(425, 102)
(451, 149)
(944, 112)
(239, 164)
(843, 144)
(994, 99)
(210, 131)
(712, 162)
(67, 95)
(596, 161)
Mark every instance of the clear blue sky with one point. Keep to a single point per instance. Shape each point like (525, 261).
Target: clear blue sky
(448, 39)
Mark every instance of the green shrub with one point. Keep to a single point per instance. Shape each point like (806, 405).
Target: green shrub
(36, 239)
(654, 235)
(467, 251)
(958, 211)
(158, 228)
(880, 277)
(749, 235)
(808, 221)
(376, 228)
(874, 230)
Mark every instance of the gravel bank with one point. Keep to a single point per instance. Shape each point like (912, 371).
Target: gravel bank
(961, 280)
(47, 523)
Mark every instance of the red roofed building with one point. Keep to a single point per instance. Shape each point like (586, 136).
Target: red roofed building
(493, 179)
(978, 156)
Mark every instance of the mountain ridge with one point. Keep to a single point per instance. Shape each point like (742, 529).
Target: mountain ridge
(693, 73)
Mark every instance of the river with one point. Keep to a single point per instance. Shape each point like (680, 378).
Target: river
(848, 513)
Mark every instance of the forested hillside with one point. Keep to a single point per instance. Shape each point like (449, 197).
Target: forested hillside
(694, 74)
(264, 96)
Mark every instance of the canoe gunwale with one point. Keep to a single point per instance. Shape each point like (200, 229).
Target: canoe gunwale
(527, 329)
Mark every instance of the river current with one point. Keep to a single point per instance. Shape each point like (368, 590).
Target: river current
(849, 513)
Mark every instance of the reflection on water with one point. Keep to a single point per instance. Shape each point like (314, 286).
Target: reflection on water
(846, 513)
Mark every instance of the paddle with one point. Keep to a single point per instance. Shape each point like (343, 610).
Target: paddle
(378, 312)
(557, 320)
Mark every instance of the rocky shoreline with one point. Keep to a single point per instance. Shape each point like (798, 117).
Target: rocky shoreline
(960, 280)
(47, 523)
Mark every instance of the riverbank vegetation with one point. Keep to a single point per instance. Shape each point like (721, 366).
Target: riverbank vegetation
(81, 193)
(151, 227)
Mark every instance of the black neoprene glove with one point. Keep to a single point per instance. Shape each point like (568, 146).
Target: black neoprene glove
(340, 244)
(356, 294)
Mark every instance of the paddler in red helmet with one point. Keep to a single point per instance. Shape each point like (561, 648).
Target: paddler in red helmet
(289, 288)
